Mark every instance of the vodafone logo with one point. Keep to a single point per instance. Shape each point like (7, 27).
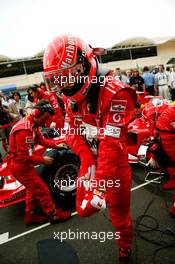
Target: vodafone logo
(116, 118)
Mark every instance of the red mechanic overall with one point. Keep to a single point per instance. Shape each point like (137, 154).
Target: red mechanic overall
(166, 127)
(57, 118)
(23, 136)
(159, 116)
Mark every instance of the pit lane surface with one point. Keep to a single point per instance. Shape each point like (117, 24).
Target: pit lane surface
(24, 249)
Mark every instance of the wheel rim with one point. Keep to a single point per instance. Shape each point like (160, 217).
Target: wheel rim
(65, 178)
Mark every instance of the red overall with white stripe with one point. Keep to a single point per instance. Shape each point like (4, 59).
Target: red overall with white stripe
(114, 112)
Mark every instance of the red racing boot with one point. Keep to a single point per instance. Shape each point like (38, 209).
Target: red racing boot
(58, 215)
(32, 218)
(170, 184)
(124, 256)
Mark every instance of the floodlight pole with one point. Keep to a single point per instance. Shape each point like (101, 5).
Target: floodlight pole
(24, 68)
(130, 52)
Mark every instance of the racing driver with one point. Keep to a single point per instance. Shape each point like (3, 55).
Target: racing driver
(23, 136)
(95, 101)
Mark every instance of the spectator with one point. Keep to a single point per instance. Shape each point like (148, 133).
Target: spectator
(29, 103)
(124, 77)
(172, 83)
(117, 74)
(18, 103)
(137, 81)
(4, 99)
(171, 68)
(128, 74)
(155, 70)
(168, 69)
(162, 80)
(168, 74)
(121, 76)
(148, 80)
(13, 112)
(4, 125)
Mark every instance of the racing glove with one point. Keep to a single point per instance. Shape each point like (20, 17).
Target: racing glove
(87, 168)
(153, 163)
(53, 125)
(94, 202)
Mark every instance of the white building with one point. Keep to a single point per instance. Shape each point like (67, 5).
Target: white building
(130, 53)
(141, 51)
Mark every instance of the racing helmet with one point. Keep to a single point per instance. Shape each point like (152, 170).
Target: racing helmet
(153, 108)
(69, 66)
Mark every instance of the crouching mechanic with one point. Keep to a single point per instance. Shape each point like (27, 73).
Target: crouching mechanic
(57, 120)
(24, 135)
(166, 129)
(94, 99)
(159, 116)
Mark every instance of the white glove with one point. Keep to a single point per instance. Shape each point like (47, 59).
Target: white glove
(153, 163)
(94, 200)
(53, 125)
(98, 202)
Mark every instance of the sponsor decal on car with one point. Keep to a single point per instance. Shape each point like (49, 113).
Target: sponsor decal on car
(14, 197)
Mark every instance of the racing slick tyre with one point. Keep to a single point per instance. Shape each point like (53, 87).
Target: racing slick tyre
(61, 176)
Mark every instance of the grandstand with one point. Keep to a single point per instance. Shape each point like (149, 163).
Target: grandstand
(140, 51)
(21, 73)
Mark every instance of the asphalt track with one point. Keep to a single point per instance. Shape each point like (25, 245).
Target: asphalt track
(19, 243)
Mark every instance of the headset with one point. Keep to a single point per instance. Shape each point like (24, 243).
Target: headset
(42, 107)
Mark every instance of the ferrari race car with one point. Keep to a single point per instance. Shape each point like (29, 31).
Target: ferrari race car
(60, 177)
(66, 164)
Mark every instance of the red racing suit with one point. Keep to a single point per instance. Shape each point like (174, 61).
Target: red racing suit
(166, 127)
(52, 99)
(22, 139)
(151, 111)
(115, 109)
